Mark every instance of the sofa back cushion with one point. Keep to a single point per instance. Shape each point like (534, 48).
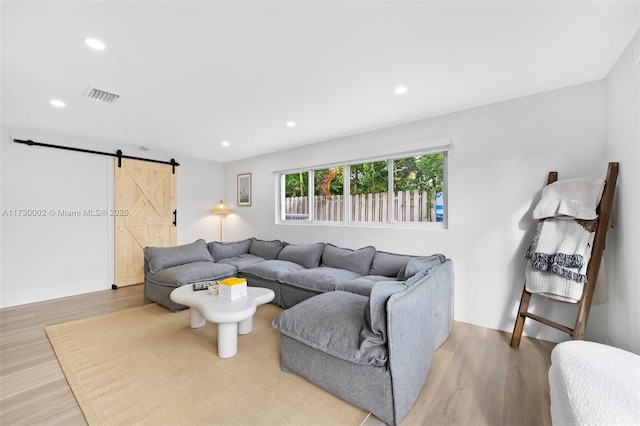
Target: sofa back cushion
(418, 264)
(159, 258)
(358, 261)
(388, 264)
(266, 249)
(221, 251)
(307, 255)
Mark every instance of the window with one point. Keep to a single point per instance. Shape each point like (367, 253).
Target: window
(417, 181)
(328, 197)
(369, 189)
(296, 200)
(408, 189)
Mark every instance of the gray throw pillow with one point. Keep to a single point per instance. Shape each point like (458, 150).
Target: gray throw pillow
(160, 258)
(388, 264)
(358, 261)
(266, 249)
(375, 311)
(221, 251)
(418, 264)
(400, 276)
(415, 278)
(307, 255)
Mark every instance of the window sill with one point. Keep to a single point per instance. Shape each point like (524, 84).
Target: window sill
(385, 225)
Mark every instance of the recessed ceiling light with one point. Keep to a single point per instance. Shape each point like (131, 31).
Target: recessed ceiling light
(291, 124)
(225, 143)
(57, 103)
(400, 90)
(95, 44)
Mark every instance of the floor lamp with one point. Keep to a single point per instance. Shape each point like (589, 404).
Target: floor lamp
(221, 209)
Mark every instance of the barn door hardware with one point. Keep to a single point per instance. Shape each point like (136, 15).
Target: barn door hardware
(118, 153)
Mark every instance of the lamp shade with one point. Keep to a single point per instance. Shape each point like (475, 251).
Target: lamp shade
(221, 208)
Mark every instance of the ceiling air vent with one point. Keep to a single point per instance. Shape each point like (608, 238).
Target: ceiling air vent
(101, 95)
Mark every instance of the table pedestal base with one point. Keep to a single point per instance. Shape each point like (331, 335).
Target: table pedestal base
(227, 332)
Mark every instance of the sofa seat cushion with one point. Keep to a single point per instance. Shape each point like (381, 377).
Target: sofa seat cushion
(358, 261)
(159, 258)
(332, 323)
(270, 269)
(191, 273)
(242, 260)
(319, 279)
(363, 285)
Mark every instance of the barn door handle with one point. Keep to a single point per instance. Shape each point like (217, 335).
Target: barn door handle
(175, 218)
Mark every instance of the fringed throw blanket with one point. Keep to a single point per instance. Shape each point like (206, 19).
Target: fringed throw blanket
(561, 248)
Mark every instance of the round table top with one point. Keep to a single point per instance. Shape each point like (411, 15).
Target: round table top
(216, 309)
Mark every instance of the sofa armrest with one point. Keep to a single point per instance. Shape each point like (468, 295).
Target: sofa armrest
(419, 320)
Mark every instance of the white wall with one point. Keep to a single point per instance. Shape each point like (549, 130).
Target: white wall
(53, 256)
(499, 163)
(619, 320)
(200, 187)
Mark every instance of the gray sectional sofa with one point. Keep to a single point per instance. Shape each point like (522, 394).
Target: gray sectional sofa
(293, 272)
(362, 324)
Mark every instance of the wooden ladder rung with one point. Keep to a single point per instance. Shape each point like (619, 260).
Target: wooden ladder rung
(550, 323)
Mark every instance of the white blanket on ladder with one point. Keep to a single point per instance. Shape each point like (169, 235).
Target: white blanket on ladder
(563, 289)
(570, 198)
(561, 249)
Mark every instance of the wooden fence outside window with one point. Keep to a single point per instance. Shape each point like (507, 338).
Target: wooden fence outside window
(409, 206)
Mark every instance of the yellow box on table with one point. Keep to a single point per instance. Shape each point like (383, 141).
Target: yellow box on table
(232, 288)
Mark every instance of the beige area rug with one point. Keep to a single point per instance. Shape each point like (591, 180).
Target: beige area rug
(146, 366)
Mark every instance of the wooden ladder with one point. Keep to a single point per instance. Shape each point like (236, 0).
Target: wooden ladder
(584, 305)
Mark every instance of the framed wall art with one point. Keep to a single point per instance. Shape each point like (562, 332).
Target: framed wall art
(244, 189)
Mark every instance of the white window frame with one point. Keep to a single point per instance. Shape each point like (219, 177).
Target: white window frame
(346, 165)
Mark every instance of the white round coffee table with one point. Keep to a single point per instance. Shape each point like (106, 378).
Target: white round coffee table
(232, 316)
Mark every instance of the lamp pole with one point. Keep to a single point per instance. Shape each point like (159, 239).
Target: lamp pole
(221, 209)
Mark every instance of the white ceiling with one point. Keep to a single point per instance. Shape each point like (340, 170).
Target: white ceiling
(192, 74)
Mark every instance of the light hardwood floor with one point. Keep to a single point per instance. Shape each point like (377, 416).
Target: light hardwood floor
(475, 377)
